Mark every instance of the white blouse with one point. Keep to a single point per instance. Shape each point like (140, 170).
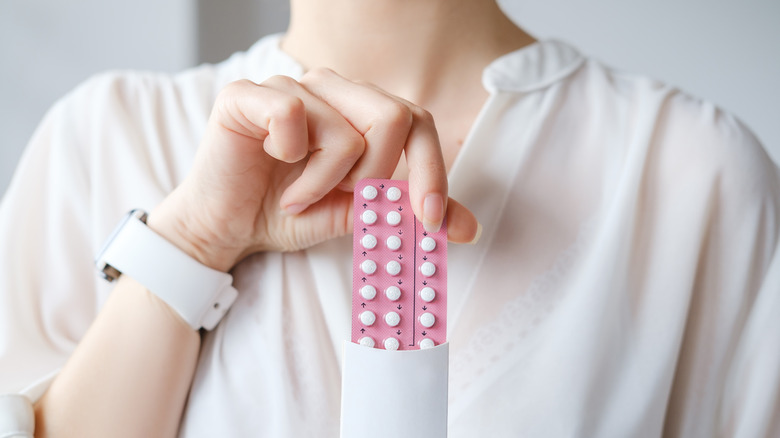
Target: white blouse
(627, 283)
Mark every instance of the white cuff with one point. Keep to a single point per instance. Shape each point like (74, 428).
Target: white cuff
(17, 416)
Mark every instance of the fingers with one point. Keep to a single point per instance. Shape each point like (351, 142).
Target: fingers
(390, 125)
(334, 146)
(427, 172)
(339, 132)
(462, 226)
(384, 121)
(256, 113)
(292, 124)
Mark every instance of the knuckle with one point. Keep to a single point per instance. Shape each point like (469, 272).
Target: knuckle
(287, 107)
(422, 116)
(281, 82)
(317, 74)
(239, 85)
(398, 115)
(433, 168)
(353, 146)
(231, 91)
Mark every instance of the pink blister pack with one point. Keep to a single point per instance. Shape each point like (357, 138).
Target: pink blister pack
(399, 284)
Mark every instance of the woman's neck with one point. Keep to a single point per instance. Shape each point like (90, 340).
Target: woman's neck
(416, 49)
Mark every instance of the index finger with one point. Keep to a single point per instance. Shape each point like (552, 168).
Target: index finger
(427, 171)
(388, 130)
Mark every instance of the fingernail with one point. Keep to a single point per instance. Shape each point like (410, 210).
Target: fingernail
(294, 209)
(433, 212)
(478, 235)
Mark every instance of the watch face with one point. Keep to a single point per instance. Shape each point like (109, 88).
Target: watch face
(107, 271)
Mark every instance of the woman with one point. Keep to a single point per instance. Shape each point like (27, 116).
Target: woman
(623, 286)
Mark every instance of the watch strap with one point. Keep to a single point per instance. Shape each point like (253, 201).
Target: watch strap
(199, 294)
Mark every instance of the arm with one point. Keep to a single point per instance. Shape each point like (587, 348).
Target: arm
(130, 374)
(274, 173)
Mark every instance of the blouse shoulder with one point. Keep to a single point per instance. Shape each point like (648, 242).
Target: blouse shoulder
(686, 134)
(713, 140)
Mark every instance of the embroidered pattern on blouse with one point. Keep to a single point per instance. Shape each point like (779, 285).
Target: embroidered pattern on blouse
(517, 319)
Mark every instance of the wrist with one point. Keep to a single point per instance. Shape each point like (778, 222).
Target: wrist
(198, 292)
(189, 235)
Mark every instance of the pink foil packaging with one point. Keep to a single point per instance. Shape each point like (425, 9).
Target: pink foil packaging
(416, 317)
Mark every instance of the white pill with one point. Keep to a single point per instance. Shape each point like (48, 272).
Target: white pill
(394, 242)
(393, 194)
(368, 318)
(392, 344)
(368, 266)
(428, 269)
(392, 319)
(424, 344)
(394, 218)
(368, 241)
(393, 293)
(369, 192)
(427, 294)
(427, 319)
(368, 217)
(369, 342)
(368, 292)
(428, 244)
(393, 268)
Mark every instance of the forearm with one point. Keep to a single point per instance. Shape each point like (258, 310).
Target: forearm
(129, 376)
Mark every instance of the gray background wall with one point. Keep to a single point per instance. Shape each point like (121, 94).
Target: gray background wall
(727, 51)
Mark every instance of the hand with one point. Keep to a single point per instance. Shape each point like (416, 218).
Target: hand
(279, 160)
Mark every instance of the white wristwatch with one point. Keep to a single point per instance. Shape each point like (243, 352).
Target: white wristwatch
(199, 294)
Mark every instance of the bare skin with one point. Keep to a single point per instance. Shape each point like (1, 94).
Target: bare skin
(299, 147)
(419, 51)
